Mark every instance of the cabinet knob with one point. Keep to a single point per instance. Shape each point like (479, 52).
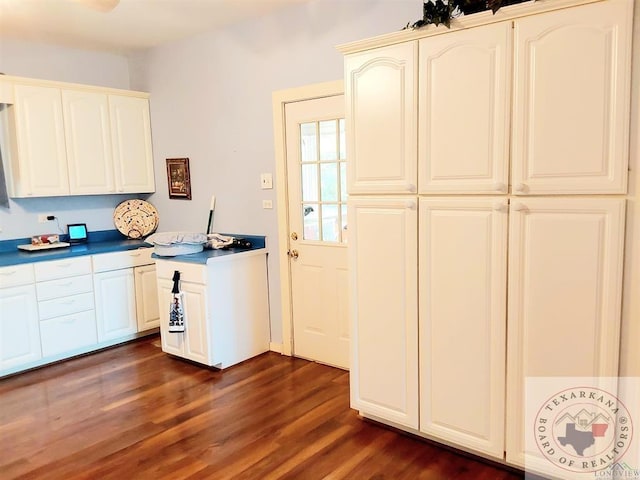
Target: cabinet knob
(518, 207)
(520, 188)
(412, 188)
(499, 206)
(500, 187)
(411, 205)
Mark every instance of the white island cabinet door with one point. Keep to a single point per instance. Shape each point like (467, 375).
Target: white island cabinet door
(571, 100)
(148, 315)
(172, 342)
(42, 157)
(381, 117)
(463, 291)
(115, 304)
(131, 141)
(88, 136)
(565, 290)
(465, 106)
(384, 350)
(19, 327)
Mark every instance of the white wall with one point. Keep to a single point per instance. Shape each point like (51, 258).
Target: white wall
(26, 59)
(211, 102)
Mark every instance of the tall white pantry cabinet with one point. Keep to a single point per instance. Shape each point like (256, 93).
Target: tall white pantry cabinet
(487, 181)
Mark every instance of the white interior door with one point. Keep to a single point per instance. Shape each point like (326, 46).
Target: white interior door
(317, 201)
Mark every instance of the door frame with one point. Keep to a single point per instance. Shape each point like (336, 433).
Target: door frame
(280, 99)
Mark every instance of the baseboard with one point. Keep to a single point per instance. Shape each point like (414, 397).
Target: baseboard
(275, 347)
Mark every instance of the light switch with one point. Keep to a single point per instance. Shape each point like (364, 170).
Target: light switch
(266, 181)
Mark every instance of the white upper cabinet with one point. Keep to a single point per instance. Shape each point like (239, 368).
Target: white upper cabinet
(40, 167)
(131, 140)
(565, 290)
(66, 139)
(462, 297)
(464, 110)
(88, 137)
(571, 100)
(381, 115)
(384, 344)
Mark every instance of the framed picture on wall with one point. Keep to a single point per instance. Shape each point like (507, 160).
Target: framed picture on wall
(178, 178)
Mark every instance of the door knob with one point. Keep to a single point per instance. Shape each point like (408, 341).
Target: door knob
(294, 236)
(293, 254)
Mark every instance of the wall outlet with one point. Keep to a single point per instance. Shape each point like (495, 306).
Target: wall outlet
(44, 217)
(267, 204)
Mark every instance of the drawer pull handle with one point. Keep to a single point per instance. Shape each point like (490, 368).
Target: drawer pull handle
(67, 284)
(64, 265)
(134, 254)
(68, 321)
(69, 302)
(12, 272)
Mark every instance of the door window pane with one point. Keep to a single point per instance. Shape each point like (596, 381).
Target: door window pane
(310, 217)
(343, 181)
(310, 182)
(330, 223)
(328, 140)
(329, 182)
(308, 142)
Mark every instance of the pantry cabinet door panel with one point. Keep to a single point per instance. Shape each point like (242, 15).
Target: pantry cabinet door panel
(565, 290)
(88, 137)
(464, 112)
(381, 116)
(571, 100)
(42, 158)
(462, 298)
(384, 348)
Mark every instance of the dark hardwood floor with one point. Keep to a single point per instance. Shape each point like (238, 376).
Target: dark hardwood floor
(134, 412)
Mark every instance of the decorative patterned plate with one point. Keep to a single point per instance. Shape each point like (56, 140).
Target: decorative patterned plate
(135, 218)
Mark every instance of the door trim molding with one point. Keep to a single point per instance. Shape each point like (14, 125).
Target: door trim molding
(279, 99)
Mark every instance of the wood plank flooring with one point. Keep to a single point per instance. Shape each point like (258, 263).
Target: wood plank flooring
(134, 412)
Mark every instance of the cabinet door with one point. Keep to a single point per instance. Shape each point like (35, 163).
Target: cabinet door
(42, 156)
(381, 115)
(148, 315)
(19, 327)
(131, 140)
(88, 136)
(194, 343)
(384, 349)
(464, 110)
(565, 281)
(463, 286)
(115, 304)
(571, 100)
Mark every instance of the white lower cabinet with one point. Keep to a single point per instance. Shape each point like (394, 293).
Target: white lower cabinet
(565, 290)
(115, 304)
(19, 328)
(65, 306)
(226, 308)
(462, 297)
(193, 344)
(384, 349)
(147, 313)
(554, 286)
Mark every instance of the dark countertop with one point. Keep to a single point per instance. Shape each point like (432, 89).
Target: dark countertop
(108, 241)
(257, 243)
(99, 242)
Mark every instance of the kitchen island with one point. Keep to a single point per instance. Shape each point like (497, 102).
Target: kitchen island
(226, 306)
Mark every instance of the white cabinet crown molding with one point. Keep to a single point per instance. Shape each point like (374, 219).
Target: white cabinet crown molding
(9, 80)
(505, 13)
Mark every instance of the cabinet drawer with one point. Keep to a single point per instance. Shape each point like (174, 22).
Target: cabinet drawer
(189, 272)
(67, 333)
(117, 260)
(65, 305)
(16, 275)
(64, 287)
(68, 267)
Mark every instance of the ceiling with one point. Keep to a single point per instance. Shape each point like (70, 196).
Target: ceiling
(131, 25)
